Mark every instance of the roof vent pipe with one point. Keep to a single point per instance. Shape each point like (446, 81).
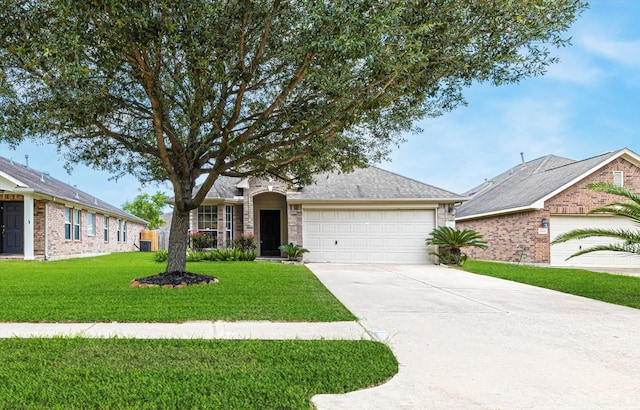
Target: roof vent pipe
(26, 159)
(522, 157)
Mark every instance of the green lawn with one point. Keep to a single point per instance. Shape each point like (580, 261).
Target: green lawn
(74, 373)
(97, 290)
(617, 289)
(71, 373)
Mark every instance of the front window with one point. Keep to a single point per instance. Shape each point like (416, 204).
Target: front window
(228, 221)
(124, 231)
(208, 218)
(76, 224)
(119, 230)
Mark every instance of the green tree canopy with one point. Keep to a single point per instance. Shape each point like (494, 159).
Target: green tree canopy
(148, 208)
(178, 90)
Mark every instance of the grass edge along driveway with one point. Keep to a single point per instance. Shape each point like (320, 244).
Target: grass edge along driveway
(617, 289)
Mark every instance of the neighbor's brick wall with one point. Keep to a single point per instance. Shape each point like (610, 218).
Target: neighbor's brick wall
(578, 199)
(508, 235)
(39, 217)
(510, 238)
(59, 247)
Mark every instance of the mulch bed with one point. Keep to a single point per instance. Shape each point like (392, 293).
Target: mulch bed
(174, 279)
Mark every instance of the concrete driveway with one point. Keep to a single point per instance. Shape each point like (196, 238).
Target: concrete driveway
(467, 341)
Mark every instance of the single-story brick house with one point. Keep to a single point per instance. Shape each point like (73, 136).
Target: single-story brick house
(522, 210)
(43, 218)
(368, 215)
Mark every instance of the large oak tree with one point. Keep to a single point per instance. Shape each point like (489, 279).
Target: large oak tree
(183, 90)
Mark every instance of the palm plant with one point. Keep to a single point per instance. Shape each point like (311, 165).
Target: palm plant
(450, 242)
(293, 252)
(629, 209)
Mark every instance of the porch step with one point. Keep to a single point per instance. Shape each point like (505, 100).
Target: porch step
(11, 257)
(270, 259)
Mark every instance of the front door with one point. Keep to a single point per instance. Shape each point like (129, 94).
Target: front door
(12, 227)
(269, 232)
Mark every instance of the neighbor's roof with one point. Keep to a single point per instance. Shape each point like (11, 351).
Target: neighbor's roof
(370, 183)
(528, 185)
(29, 179)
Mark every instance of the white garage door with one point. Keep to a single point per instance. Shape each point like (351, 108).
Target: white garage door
(371, 236)
(560, 224)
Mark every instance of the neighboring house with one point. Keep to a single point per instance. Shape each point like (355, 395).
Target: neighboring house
(369, 215)
(43, 218)
(522, 210)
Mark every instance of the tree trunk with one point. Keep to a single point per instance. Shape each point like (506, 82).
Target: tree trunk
(178, 241)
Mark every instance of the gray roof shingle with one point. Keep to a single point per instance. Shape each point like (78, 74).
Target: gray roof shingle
(372, 183)
(525, 184)
(366, 183)
(43, 183)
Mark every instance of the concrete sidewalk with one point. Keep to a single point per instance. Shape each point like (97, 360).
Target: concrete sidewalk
(467, 341)
(191, 330)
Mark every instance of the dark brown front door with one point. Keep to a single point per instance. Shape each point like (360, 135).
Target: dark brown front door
(269, 232)
(12, 227)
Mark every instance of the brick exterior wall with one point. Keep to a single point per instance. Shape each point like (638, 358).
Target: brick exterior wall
(294, 221)
(516, 237)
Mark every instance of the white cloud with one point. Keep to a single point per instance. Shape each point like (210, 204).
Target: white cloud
(623, 52)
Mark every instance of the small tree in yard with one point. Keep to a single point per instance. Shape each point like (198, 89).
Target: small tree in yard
(628, 239)
(451, 241)
(188, 91)
(148, 208)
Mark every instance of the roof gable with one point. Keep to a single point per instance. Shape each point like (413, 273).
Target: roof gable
(528, 185)
(16, 177)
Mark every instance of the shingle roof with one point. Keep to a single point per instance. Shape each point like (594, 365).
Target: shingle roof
(366, 183)
(224, 187)
(43, 183)
(525, 184)
(372, 183)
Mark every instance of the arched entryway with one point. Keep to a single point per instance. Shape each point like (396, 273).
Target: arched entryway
(270, 214)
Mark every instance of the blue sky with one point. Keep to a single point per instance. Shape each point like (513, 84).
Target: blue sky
(587, 104)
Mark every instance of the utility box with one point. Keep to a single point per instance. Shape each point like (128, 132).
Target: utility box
(145, 246)
(150, 236)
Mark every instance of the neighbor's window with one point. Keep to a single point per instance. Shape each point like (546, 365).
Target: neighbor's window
(618, 178)
(119, 230)
(76, 224)
(124, 231)
(67, 223)
(106, 229)
(91, 224)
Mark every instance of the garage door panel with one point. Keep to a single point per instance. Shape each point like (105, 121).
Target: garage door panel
(560, 252)
(367, 235)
